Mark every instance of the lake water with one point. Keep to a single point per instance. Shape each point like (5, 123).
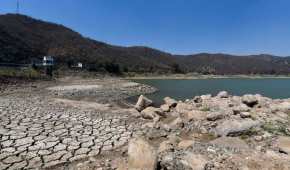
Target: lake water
(187, 89)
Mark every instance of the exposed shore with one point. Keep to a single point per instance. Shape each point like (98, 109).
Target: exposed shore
(77, 123)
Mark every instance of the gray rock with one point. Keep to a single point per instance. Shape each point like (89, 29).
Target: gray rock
(151, 113)
(214, 116)
(245, 114)
(250, 100)
(197, 99)
(142, 103)
(223, 94)
(241, 108)
(170, 102)
(235, 127)
(165, 107)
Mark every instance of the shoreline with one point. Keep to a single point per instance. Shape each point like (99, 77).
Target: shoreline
(187, 77)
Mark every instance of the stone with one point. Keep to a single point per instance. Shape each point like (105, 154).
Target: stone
(241, 108)
(284, 106)
(205, 97)
(230, 142)
(176, 123)
(283, 144)
(170, 102)
(185, 144)
(165, 107)
(165, 146)
(245, 114)
(214, 116)
(142, 103)
(197, 99)
(195, 161)
(151, 113)
(134, 112)
(195, 115)
(235, 127)
(184, 108)
(223, 94)
(141, 155)
(250, 100)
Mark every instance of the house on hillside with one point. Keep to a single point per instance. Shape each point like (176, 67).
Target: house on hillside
(48, 61)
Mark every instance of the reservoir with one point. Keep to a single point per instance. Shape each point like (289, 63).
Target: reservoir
(186, 89)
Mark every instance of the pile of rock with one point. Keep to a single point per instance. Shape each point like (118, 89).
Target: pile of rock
(213, 132)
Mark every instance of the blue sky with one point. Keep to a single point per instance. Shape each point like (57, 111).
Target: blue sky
(176, 26)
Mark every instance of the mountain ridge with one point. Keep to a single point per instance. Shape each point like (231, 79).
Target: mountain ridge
(24, 39)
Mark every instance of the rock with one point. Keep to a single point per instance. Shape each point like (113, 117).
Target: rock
(197, 99)
(170, 102)
(176, 123)
(283, 144)
(141, 155)
(245, 114)
(195, 161)
(165, 107)
(235, 127)
(250, 100)
(165, 146)
(134, 112)
(284, 106)
(185, 144)
(241, 108)
(195, 115)
(151, 113)
(142, 103)
(184, 108)
(170, 161)
(223, 94)
(214, 116)
(230, 142)
(205, 97)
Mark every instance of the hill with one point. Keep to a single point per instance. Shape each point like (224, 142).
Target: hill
(24, 40)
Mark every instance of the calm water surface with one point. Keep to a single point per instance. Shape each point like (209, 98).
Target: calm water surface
(187, 89)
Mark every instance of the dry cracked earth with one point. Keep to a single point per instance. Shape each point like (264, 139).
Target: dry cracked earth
(38, 133)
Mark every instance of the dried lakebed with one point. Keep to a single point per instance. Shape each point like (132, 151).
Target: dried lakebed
(44, 128)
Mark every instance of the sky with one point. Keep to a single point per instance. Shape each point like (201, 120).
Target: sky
(177, 26)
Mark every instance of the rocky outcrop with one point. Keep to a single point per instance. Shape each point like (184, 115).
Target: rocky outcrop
(214, 132)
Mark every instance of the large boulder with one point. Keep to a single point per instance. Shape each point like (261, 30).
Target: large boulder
(142, 103)
(223, 94)
(170, 102)
(235, 127)
(152, 112)
(141, 155)
(250, 100)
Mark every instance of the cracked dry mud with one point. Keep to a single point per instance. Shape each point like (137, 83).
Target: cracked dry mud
(37, 133)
